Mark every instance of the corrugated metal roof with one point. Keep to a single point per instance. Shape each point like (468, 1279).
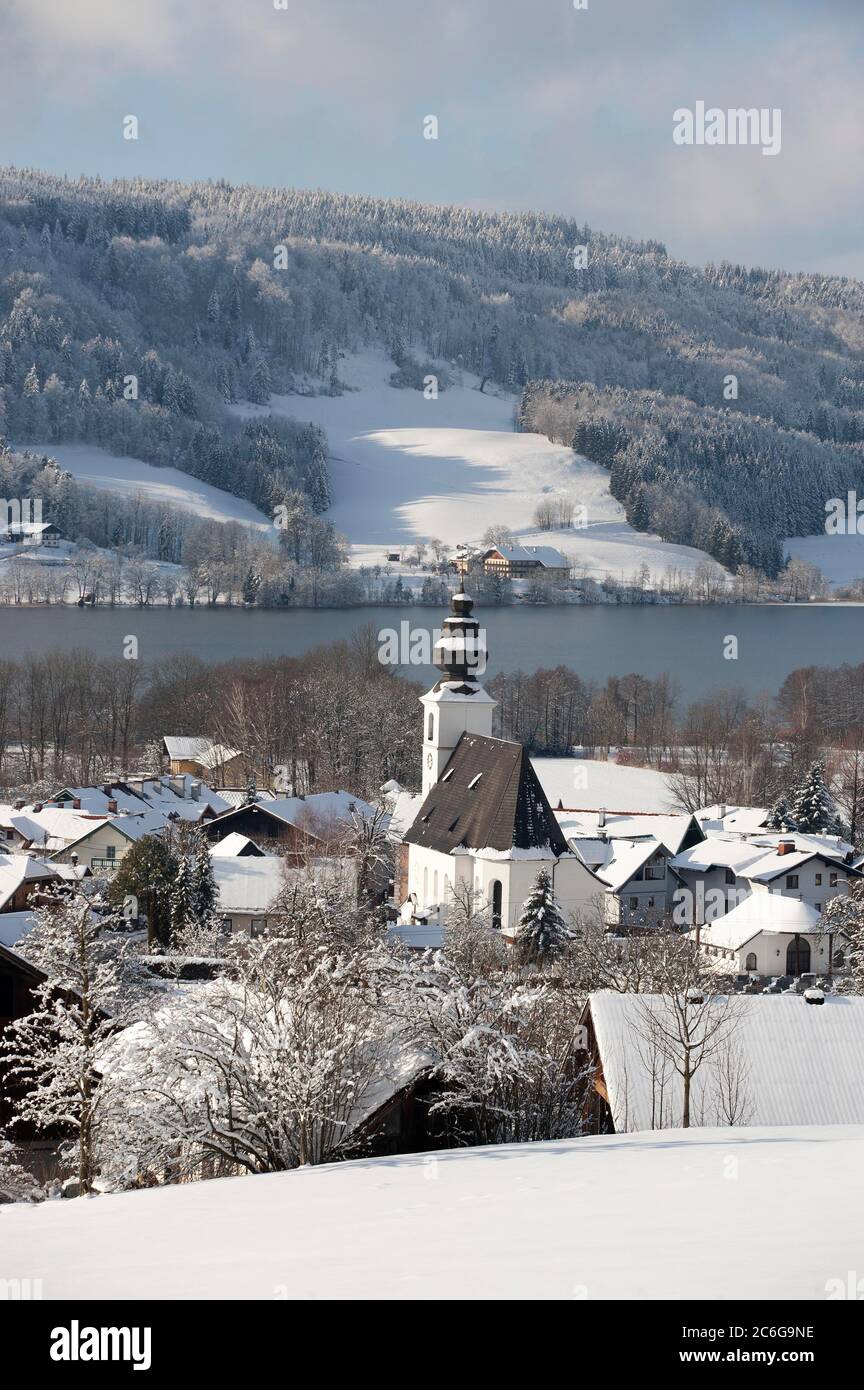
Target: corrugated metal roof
(798, 1063)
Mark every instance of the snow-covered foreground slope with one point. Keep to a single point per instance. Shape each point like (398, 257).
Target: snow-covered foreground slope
(406, 468)
(678, 1214)
(132, 477)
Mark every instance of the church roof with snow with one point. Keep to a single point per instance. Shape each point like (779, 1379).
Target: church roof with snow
(488, 797)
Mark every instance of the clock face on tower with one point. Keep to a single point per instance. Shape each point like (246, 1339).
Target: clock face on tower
(428, 759)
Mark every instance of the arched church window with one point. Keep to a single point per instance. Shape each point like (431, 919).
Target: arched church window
(425, 885)
(431, 730)
(750, 963)
(496, 903)
(435, 885)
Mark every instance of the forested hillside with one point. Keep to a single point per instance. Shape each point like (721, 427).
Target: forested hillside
(210, 294)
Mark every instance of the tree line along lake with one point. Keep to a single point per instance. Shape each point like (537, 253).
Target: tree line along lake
(687, 642)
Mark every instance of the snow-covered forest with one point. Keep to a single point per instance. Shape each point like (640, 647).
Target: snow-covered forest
(209, 294)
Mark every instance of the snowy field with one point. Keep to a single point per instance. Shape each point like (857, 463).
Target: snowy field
(587, 784)
(405, 468)
(168, 486)
(677, 1214)
(840, 558)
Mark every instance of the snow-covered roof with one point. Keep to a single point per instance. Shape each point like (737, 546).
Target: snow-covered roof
(248, 885)
(14, 925)
(19, 869)
(420, 936)
(179, 748)
(589, 784)
(233, 845)
(718, 851)
(795, 1063)
(627, 859)
(746, 820)
(771, 865)
(759, 912)
(545, 555)
(404, 806)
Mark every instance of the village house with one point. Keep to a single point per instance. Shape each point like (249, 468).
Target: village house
(769, 933)
(484, 825)
(24, 882)
(204, 759)
(523, 561)
(301, 826)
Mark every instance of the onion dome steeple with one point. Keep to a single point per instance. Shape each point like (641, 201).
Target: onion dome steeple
(460, 651)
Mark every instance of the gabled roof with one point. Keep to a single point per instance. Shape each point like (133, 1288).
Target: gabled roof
(628, 857)
(488, 797)
(794, 1063)
(772, 865)
(545, 555)
(19, 869)
(236, 846)
(760, 912)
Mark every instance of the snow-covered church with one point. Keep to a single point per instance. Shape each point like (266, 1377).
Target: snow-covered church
(484, 823)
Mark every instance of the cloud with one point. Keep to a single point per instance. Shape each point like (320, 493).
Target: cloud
(541, 106)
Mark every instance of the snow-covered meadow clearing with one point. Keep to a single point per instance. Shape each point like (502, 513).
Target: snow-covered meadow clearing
(131, 477)
(406, 468)
(676, 1214)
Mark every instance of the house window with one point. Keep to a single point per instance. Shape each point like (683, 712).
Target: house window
(791, 880)
(818, 907)
(497, 894)
(655, 871)
(7, 996)
(818, 880)
(227, 924)
(258, 926)
(110, 851)
(730, 875)
(634, 903)
(832, 881)
(750, 963)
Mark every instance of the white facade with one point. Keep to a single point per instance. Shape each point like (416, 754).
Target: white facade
(433, 877)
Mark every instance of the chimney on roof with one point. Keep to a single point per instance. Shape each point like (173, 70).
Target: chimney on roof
(19, 805)
(722, 809)
(73, 859)
(112, 806)
(76, 803)
(106, 788)
(195, 789)
(786, 847)
(38, 806)
(601, 819)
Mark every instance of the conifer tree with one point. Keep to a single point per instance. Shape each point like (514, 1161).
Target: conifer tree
(542, 933)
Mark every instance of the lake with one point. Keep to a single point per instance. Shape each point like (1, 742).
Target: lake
(596, 641)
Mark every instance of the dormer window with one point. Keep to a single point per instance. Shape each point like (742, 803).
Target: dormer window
(447, 775)
(474, 780)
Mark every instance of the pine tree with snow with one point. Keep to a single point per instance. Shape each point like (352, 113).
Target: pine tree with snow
(780, 816)
(542, 933)
(812, 807)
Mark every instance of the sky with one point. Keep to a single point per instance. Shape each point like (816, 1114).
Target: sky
(539, 106)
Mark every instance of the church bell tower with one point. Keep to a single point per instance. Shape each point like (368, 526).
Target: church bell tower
(457, 704)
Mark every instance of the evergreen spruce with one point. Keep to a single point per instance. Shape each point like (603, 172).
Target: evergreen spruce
(542, 932)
